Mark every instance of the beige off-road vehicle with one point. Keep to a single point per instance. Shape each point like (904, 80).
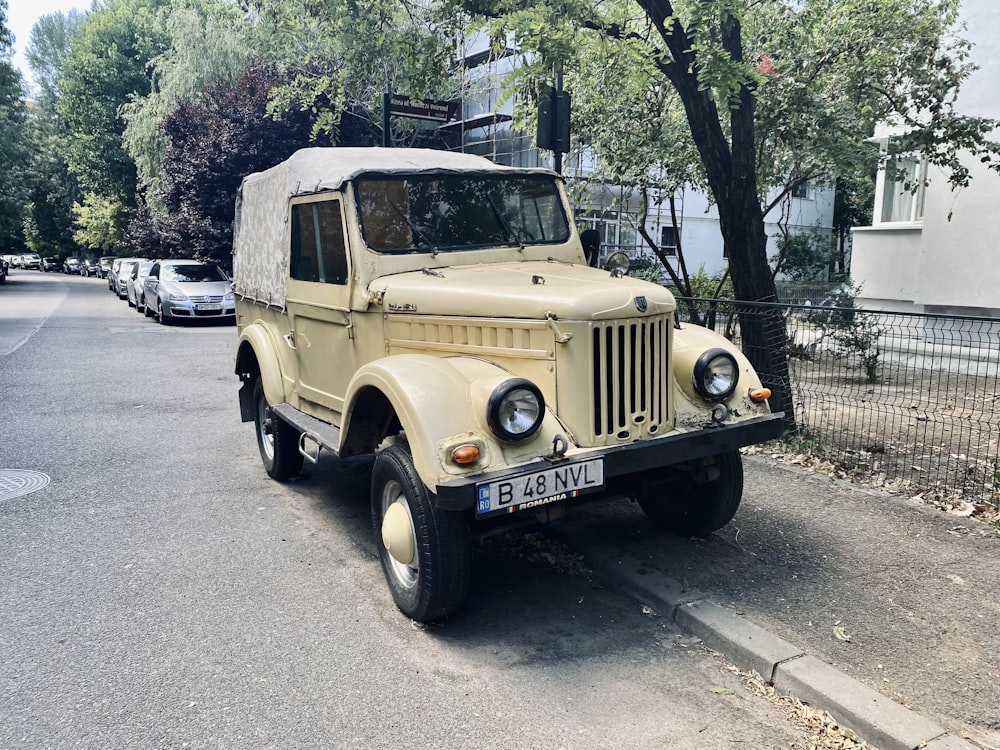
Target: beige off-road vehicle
(436, 310)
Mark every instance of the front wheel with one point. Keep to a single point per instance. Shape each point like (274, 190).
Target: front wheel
(425, 551)
(277, 440)
(681, 505)
(162, 315)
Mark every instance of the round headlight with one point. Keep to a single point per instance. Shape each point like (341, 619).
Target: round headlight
(715, 375)
(515, 410)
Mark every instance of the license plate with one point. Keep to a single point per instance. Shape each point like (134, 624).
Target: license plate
(207, 307)
(540, 487)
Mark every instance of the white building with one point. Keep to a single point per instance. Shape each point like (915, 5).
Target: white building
(936, 251)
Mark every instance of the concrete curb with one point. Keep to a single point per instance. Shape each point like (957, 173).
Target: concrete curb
(875, 718)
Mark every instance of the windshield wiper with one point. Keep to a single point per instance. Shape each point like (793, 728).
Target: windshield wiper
(413, 228)
(512, 236)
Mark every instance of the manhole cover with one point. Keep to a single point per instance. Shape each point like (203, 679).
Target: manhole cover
(17, 482)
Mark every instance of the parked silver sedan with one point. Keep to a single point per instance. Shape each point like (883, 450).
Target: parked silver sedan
(188, 289)
(123, 275)
(118, 276)
(134, 286)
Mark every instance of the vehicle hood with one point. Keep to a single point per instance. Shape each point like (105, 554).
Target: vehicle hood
(532, 290)
(196, 288)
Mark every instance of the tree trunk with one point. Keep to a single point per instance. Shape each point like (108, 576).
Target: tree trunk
(764, 336)
(730, 166)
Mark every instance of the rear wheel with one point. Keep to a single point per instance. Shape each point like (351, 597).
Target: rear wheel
(681, 505)
(425, 551)
(277, 440)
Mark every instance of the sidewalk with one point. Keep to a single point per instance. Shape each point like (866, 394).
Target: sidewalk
(896, 596)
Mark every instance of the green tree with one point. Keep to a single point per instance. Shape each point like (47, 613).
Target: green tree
(209, 43)
(341, 55)
(771, 93)
(101, 222)
(51, 37)
(48, 227)
(212, 142)
(107, 66)
(14, 152)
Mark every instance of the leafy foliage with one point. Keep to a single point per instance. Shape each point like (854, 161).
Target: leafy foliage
(212, 142)
(107, 66)
(333, 69)
(804, 256)
(51, 37)
(14, 152)
(209, 43)
(48, 225)
(100, 221)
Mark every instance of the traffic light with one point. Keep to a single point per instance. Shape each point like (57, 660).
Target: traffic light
(553, 121)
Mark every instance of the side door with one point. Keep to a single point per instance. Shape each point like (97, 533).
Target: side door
(318, 301)
(150, 286)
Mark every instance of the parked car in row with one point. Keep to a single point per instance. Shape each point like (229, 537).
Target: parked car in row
(51, 263)
(4, 266)
(187, 289)
(133, 289)
(104, 265)
(89, 268)
(121, 269)
(72, 265)
(123, 276)
(31, 261)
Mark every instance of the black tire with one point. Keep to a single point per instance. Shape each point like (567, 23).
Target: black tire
(434, 583)
(277, 440)
(684, 507)
(162, 314)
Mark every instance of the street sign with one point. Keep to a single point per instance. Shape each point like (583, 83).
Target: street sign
(424, 109)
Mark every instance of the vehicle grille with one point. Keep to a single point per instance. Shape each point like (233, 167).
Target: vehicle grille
(630, 378)
(201, 298)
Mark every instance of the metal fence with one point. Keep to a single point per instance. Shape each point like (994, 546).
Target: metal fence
(900, 400)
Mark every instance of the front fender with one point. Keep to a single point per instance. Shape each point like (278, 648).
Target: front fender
(440, 403)
(256, 353)
(690, 342)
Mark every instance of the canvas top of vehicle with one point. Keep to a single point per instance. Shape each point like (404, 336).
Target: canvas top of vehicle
(411, 209)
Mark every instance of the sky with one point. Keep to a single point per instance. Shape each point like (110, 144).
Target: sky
(21, 16)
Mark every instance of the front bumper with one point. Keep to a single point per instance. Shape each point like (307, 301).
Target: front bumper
(192, 311)
(621, 461)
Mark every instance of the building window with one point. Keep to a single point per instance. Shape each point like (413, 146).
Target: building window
(803, 190)
(902, 190)
(668, 241)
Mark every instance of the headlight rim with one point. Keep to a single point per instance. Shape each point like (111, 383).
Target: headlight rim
(702, 364)
(496, 399)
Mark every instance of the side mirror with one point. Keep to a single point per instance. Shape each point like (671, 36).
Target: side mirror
(617, 264)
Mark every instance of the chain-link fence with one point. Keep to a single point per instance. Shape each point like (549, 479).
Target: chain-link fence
(899, 399)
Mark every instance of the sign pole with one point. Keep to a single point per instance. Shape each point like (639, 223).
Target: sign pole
(386, 119)
(557, 154)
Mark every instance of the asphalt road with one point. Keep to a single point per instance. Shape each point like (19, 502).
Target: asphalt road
(162, 592)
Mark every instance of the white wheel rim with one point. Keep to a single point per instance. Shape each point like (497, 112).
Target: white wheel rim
(407, 574)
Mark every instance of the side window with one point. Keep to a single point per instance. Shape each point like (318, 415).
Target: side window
(319, 250)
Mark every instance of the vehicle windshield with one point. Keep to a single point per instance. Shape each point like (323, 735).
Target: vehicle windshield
(444, 213)
(192, 272)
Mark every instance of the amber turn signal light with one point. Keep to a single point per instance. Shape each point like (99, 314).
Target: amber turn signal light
(465, 454)
(760, 394)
